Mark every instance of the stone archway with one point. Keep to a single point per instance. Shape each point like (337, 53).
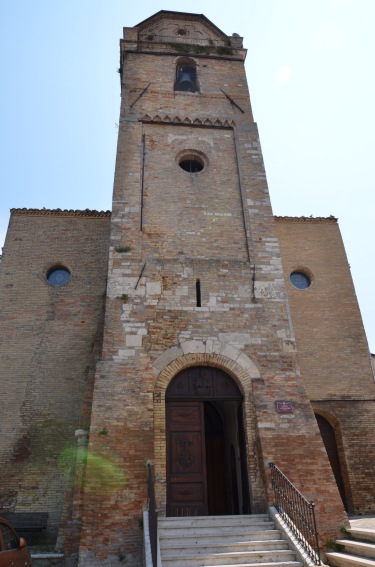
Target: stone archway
(203, 353)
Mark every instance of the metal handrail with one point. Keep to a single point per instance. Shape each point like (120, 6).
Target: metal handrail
(297, 512)
(152, 516)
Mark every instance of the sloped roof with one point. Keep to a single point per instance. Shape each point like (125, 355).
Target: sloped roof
(169, 13)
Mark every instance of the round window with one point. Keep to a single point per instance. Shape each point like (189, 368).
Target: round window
(191, 165)
(58, 276)
(191, 161)
(300, 280)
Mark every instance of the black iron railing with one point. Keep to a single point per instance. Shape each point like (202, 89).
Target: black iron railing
(297, 512)
(152, 517)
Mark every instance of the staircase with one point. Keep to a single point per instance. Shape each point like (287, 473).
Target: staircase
(358, 549)
(223, 540)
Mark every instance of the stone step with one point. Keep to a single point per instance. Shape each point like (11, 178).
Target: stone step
(193, 547)
(337, 559)
(209, 531)
(226, 561)
(230, 536)
(230, 558)
(363, 534)
(223, 540)
(211, 526)
(358, 548)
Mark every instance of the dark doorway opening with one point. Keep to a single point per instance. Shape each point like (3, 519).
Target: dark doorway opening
(215, 460)
(329, 439)
(206, 449)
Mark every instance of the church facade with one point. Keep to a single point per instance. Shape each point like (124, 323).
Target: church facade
(189, 329)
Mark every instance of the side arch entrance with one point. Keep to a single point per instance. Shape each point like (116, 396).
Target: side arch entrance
(330, 443)
(206, 450)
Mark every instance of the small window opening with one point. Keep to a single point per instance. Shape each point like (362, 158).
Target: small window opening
(198, 291)
(191, 160)
(191, 165)
(186, 76)
(59, 275)
(300, 280)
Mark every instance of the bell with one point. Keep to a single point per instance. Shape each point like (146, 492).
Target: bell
(185, 83)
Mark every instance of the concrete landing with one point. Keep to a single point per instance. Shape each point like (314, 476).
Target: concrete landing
(367, 522)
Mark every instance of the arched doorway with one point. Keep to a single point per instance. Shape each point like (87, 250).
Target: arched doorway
(329, 439)
(206, 460)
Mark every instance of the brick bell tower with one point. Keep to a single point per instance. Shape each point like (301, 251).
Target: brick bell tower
(198, 342)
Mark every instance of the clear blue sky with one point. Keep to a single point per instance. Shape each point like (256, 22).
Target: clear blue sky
(311, 75)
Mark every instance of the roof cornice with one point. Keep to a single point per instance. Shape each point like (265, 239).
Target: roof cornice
(61, 213)
(330, 219)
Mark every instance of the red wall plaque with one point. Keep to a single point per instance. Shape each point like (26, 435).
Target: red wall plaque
(283, 406)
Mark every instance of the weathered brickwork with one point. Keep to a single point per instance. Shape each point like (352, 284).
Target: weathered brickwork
(333, 353)
(191, 270)
(171, 228)
(47, 342)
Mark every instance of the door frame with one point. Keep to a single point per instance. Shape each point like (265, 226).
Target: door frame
(243, 371)
(195, 385)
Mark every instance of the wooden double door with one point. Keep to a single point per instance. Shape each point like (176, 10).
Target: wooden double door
(206, 457)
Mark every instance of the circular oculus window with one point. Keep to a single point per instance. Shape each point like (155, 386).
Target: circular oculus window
(191, 162)
(58, 276)
(300, 280)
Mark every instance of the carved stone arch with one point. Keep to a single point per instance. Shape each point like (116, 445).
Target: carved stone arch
(229, 366)
(210, 353)
(194, 353)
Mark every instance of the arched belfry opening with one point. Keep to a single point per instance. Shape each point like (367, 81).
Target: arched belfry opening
(186, 75)
(206, 448)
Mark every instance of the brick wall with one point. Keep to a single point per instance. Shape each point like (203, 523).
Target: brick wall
(48, 337)
(216, 226)
(332, 348)
(170, 229)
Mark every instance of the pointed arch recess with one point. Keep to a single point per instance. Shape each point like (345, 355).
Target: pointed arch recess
(196, 353)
